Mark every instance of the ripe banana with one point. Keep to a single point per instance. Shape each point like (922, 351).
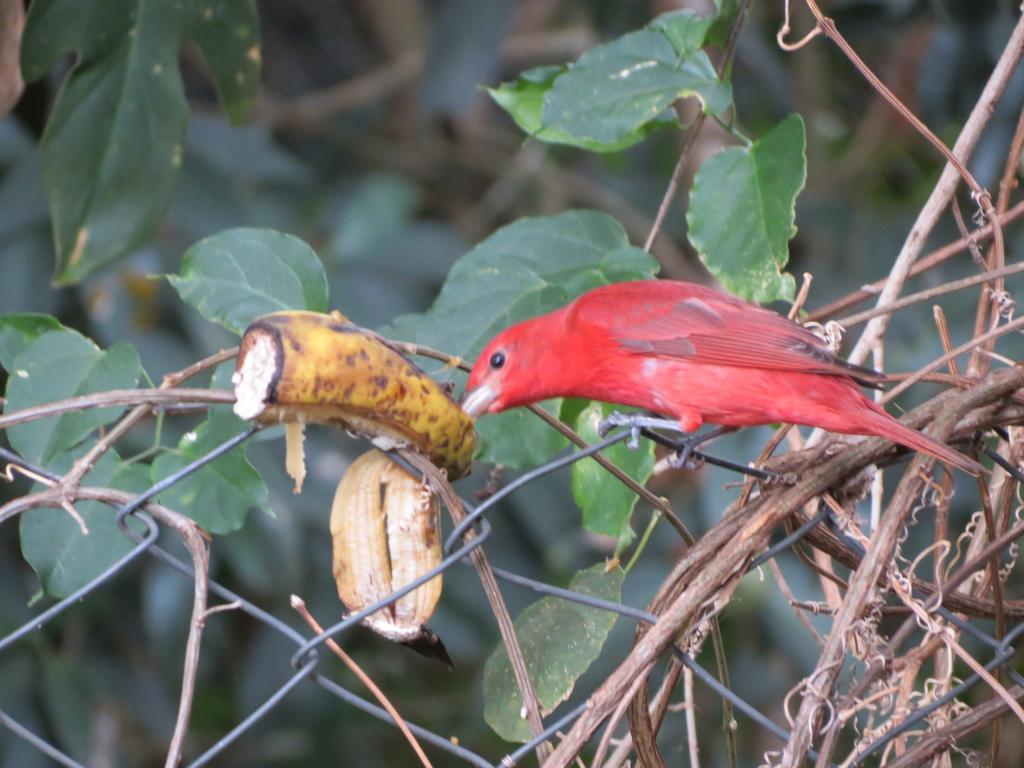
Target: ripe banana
(384, 526)
(309, 367)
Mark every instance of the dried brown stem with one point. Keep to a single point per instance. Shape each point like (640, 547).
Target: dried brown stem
(939, 290)
(939, 741)
(711, 568)
(988, 311)
(946, 186)
(107, 441)
(478, 558)
(930, 260)
(152, 397)
(194, 541)
(967, 346)
(861, 590)
(300, 607)
(200, 552)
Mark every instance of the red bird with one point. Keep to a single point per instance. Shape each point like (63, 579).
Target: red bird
(689, 352)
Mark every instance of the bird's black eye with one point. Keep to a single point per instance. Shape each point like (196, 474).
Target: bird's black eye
(497, 360)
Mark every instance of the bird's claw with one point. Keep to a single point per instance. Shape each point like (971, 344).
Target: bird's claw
(685, 457)
(609, 422)
(636, 422)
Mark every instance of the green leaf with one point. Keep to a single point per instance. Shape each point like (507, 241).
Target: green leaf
(616, 88)
(228, 34)
(524, 269)
(684, 29)
(742, 210)
(112, 146)
(606, 503)
(239, 274)
(53, 544)
(560, 640)
(517, 438)
(19, 330)
(58, 365)
(219, 495)
(523, 99)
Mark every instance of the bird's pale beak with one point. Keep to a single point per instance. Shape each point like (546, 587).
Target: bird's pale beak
(477, 401)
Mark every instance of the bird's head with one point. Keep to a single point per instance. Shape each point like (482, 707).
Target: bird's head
(516, 367)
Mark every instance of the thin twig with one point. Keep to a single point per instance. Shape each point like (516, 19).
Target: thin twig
(84, 464)
(996, 256)
(944, 189)
(982, 197)
(192, 536)
(967, 346)
(613, 722)
(712, 567)
(879, 554)
(152, 397)
(931, 293)
(300, 607)
(200, 553)
(439, 482)
(691, 718)
(939, 740)
(947, 343)
(923, 264)
(791, 599)
(801, 296)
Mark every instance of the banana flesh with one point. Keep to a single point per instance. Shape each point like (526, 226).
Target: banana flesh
(310, 367)
(384, 527)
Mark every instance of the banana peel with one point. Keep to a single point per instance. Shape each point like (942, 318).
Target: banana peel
(385, 533)
(306, 367)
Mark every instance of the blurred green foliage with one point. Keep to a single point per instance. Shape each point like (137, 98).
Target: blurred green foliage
(370, 146)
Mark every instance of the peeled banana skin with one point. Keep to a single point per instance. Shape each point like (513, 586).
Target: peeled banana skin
(312, 367)
(384, 527)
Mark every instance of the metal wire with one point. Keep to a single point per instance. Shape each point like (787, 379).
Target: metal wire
(305, 658)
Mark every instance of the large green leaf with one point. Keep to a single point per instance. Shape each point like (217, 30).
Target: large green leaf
(606, 503)
(54, 545)
(517, 438)
(228, 34)
(113, 143)
(560, 639)
(19, 330)
(238, 274)
(615, 89)
(742, 211)
(686, 30)
(57, 365)
(220, 494)
(524, 269)
(523, 99)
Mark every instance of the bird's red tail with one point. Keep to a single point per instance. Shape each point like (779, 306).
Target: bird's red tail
(882, 424)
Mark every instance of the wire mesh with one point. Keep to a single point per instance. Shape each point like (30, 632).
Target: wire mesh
(306, 657)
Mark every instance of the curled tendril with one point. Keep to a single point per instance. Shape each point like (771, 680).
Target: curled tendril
(1004, 303)
(831, 333)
